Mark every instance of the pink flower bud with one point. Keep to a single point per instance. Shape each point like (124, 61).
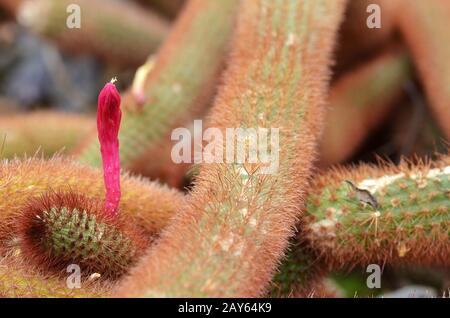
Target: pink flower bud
(108, 123)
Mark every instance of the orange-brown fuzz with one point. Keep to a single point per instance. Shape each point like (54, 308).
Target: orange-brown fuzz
(228, 239)
(83, 234)
(425, 25)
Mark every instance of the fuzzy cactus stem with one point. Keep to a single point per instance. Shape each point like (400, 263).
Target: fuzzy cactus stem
(108, 124)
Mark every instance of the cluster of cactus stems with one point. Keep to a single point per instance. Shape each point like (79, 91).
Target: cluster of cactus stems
(175, 91)
(121, 34)
(228, 235)
(237, 222)
(148, 204)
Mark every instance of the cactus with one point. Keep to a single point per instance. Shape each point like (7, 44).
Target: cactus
(424, 26)
(121, 34)
(43, 132)
(238, 221)
(177, 89)
(147, 204)
(389, 214)
(359, 101)
(59, 229)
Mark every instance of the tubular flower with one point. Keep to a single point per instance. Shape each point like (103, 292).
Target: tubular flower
(108, 124)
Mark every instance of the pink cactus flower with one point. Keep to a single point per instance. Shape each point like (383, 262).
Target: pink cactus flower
(108, 124)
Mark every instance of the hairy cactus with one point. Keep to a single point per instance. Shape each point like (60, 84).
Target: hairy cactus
(238, 220)
(176, 90)
(359, 101)
(424, 25)
(43, 132)
(119, 33)
(389, 214)
(147, 204)
(59, 229)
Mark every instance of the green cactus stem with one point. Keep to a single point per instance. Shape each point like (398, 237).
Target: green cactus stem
(119, 33)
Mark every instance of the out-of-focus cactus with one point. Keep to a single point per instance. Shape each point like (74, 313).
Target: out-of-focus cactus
(388, 214)
(359, 101)
(424, 25)
(41, 132)
(19, 280)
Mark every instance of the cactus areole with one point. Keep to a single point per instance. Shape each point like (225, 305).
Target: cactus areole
(108, 124)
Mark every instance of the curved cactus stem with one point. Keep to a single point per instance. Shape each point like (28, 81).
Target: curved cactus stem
(59, 229)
